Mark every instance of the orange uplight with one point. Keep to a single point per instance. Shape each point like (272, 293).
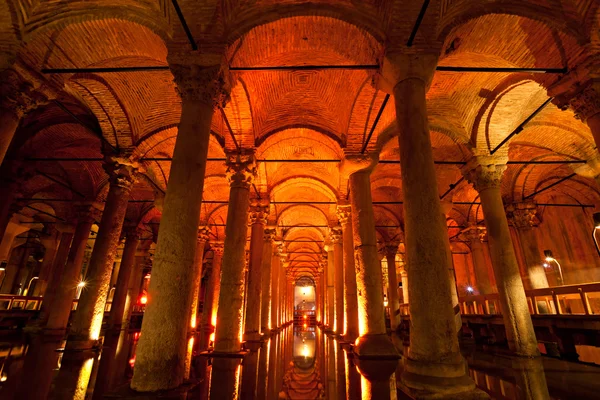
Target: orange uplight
(132, 361)
(212, 337)
(144, 299)
(304, 316)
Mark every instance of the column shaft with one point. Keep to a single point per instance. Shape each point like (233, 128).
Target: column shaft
(211, 300)
(350, 296)
(338, 261)
(117, 308)
(482, 276)
(275, 272)
(197, 276)
(265, 314)
(330, 271)
(393, 302)
(253, 302)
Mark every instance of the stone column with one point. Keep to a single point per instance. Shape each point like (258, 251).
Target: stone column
(258, 219)
(161, 354)
(59, 311)
(211, 301)
(117, 309)
(85, 329)
(350, 296)
(330, 299)
(523, 217)
(203, 237)
(266, 298)
(51, 244)
(485, 173)
(391, 249)
(275, 290)
(475, 236)
(231, 299)
(338, 279)
(434, 363)
(404, 278)
(19, 96)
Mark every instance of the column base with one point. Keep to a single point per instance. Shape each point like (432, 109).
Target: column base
(76, 343)
(439, 381)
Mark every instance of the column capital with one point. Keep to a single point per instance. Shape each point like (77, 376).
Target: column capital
(269, 235)
(217, 247)
(398, 65)
(352, 163)
(86, 212)
(335, 235)
(201, 77)
(344, 213)
(523, 215)
(20, 95)
(203, 233)
(241, 170)
(122, 170)
(474, 233)
(391, 247)
(258, 212)
(484, 172)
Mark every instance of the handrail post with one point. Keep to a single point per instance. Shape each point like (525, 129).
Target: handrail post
(556, 303)
(584, 301)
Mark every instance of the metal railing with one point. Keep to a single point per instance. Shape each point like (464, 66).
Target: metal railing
(24, 303)
(581, 299)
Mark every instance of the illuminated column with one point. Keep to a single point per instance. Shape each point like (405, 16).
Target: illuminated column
(117, 309)
(434, 363)
(391, 249)
(211, 301)
(203, 232)
(330, 274)
(281, 309)
(291, 295)
(338, 279)
(50, 243)
(59, 310)
(85, 329)
(350, 296)
(275, 291)
(19, 96)
(373, 340)
(475, 236)
(161, 354)
(404, 278)
(258, 219)
(485, 173)
(266, 298)
(523, 217)
(241, 171)
(323, 271)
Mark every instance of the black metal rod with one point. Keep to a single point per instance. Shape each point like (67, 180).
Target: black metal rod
(451, 188)
(502, 69)
(237, 146)
(385, 100)
(551, 185)
(420, 17)
(101, 70)
(522, 125)
(63, 159)
(547, 162)
(184, 25)
(305, 67)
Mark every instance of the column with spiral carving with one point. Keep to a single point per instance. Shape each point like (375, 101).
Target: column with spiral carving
(202, 81)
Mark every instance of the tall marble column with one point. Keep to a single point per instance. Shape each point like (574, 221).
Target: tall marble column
(391, 249)
(20, 95)
(523, 217)
(51, 244)
(258, 219)
(350, 297)
(203, 237)
(85, 329)
(58, 313)
(485, 173)
(241, 171)
(434, 363)
(161, 354)
(338, 279)
(373, 340)
(475, 236)
(211, 300)
(275, 290)
(330, 276)
(117, 308)
(266, 298)
(282, 288)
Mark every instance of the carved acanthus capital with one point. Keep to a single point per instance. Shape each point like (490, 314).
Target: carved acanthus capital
(335, 235)
(20, 95)
(241, 170)
(391, 247)
(258, 212)
(269, 235)
(344, 213)
(122, 171)
(484, 172)
(217, 247)
(586, 103)
(208, 84)
(203, 233)
(523, 215)
(474, 233)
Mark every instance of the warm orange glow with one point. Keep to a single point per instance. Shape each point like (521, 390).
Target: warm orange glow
(212, 337)
(193, 321)
(132, 361)
(144, 299)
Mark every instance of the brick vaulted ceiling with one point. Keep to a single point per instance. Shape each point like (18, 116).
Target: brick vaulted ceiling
(301, 114)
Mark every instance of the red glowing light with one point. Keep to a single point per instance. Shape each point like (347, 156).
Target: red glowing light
(132, 361)
(143, 299)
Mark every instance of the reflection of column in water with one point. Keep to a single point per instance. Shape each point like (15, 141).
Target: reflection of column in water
(352, 379)
(531, 378)
(227, 385)
(330, 358)
(263, 367)
(74, 376)
(340, 370)
(377, 390)
(272, 368)
(40, 362)
(250, 375)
